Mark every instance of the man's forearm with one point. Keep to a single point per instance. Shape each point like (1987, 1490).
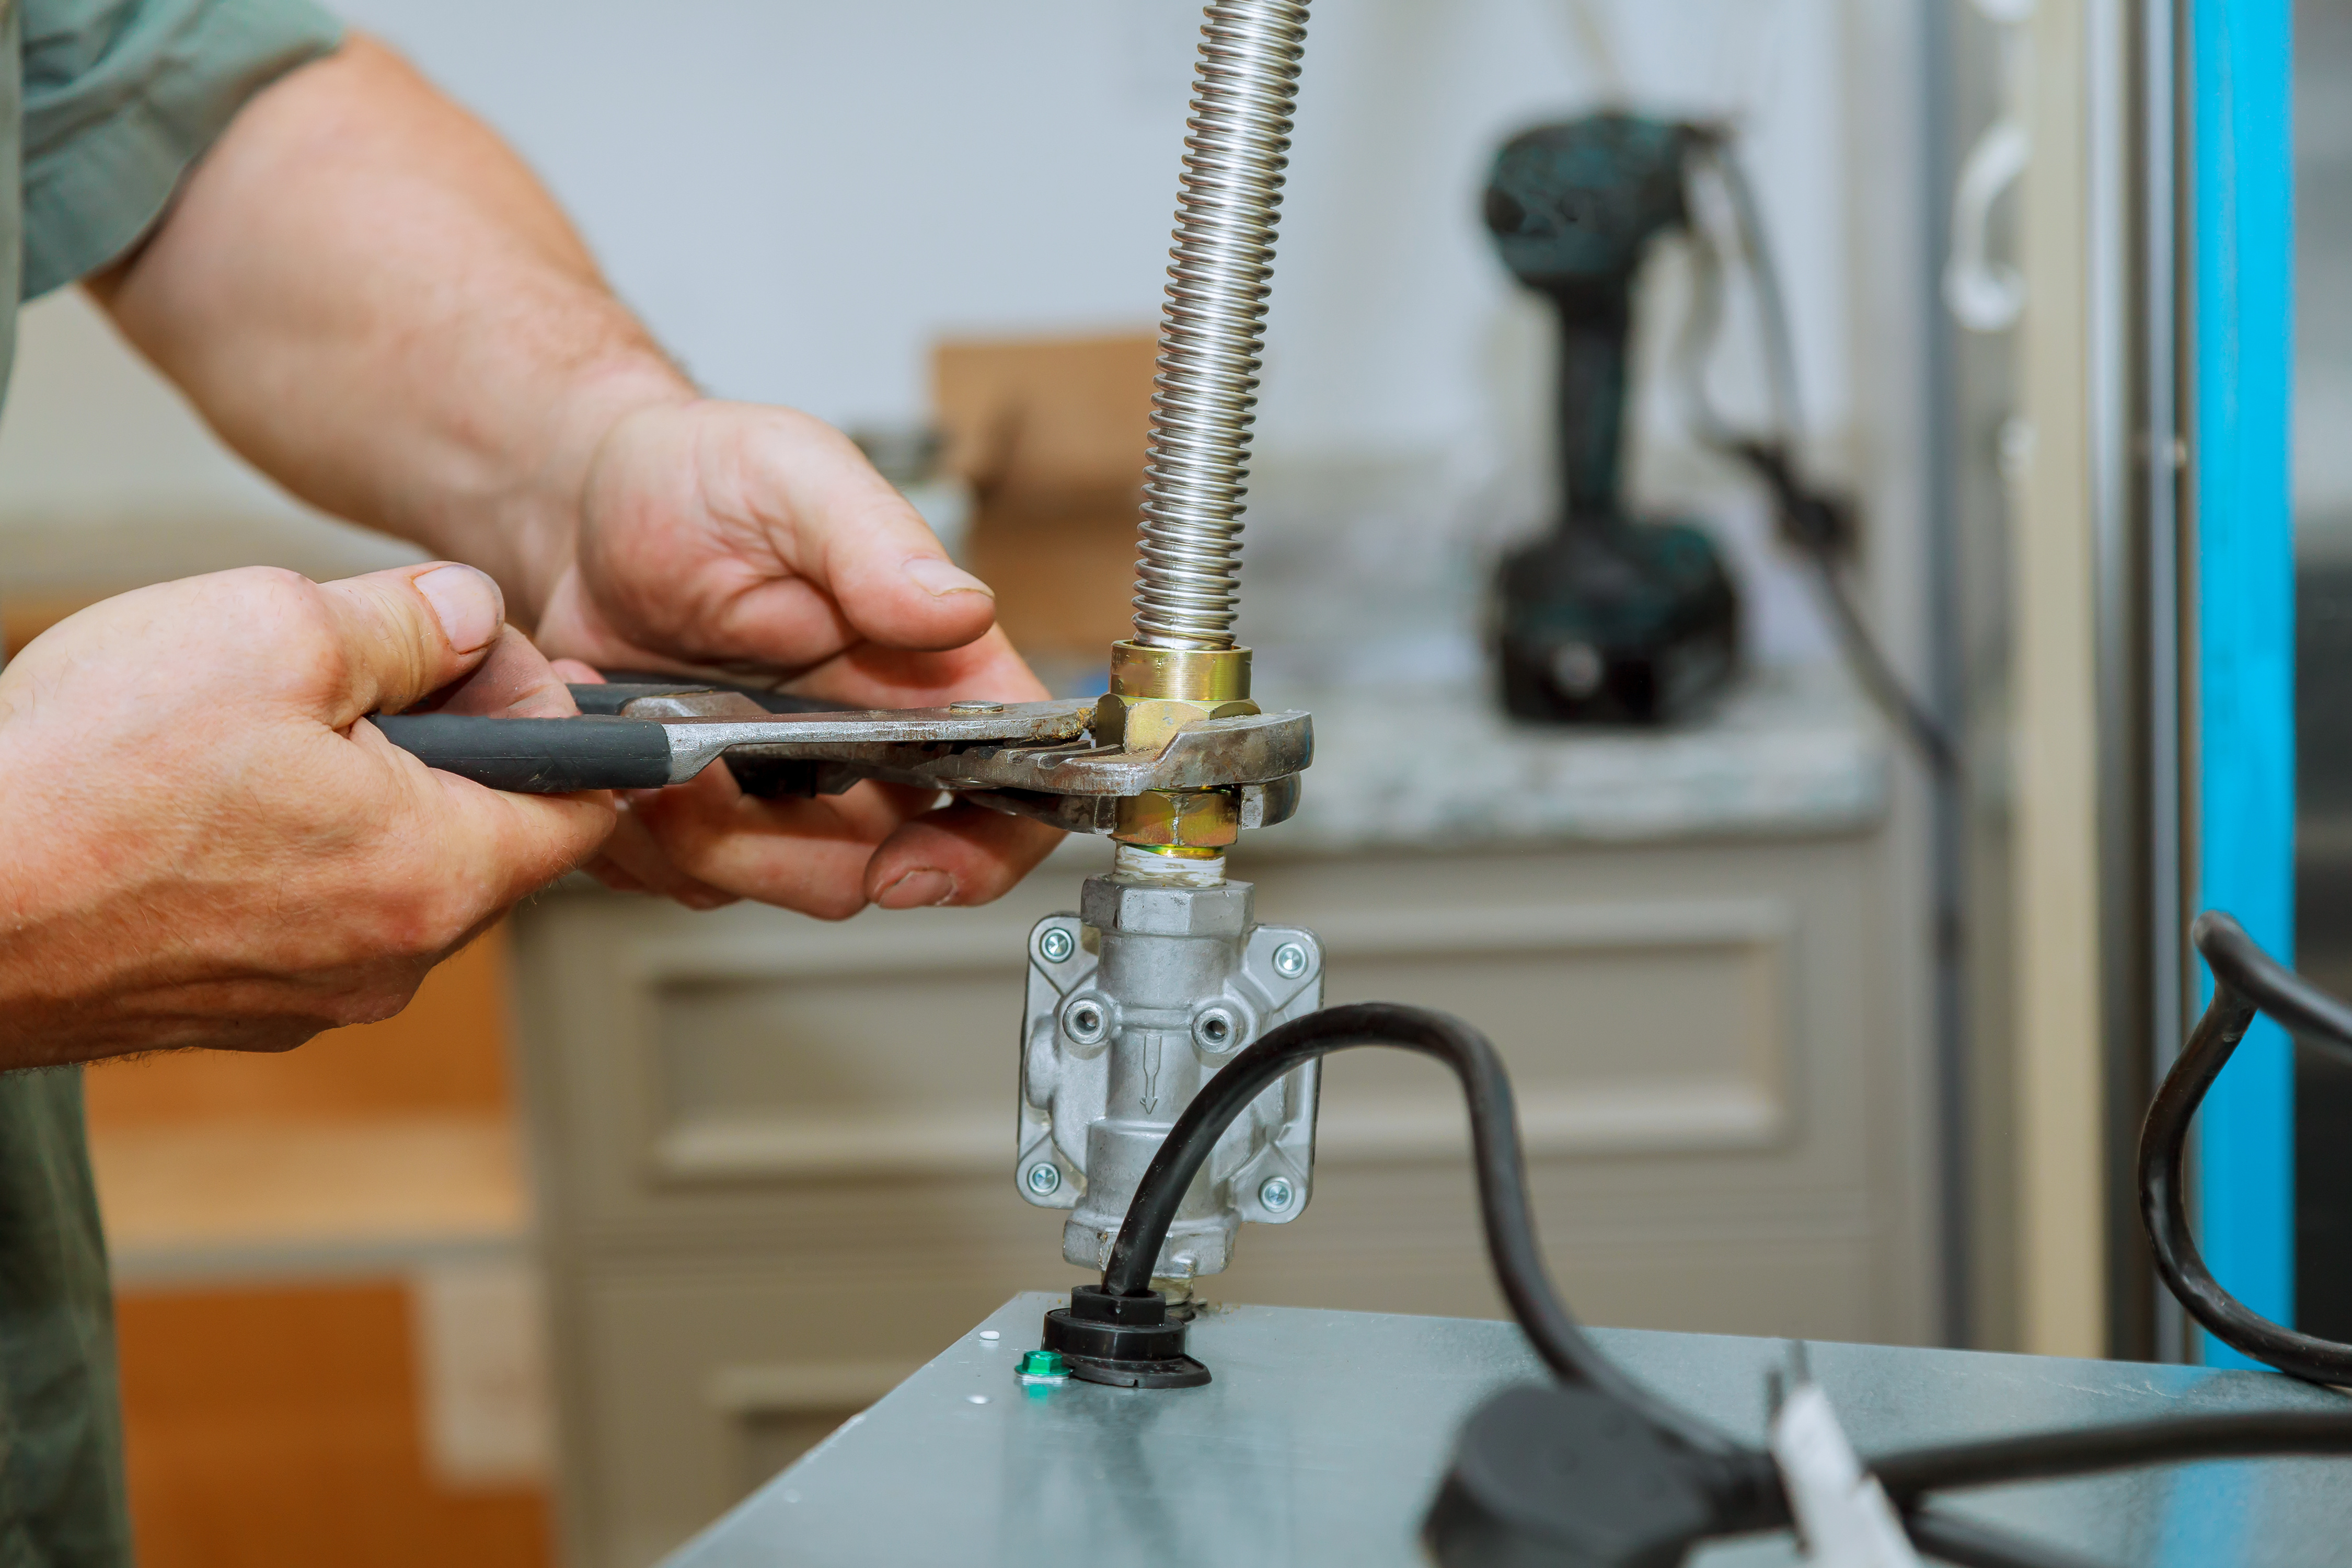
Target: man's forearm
(375, 302)
(370, 297)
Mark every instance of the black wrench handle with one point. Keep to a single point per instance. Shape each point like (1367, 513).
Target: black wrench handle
(536, 756)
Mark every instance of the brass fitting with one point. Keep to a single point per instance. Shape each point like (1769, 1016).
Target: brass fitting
(1190, 674)
(1179, 818)
(1149, 723)
(1156, 691)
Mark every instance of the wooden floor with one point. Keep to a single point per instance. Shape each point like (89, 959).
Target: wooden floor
(280, 1422)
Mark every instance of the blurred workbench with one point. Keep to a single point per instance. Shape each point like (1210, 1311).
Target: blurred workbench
(775, 1157)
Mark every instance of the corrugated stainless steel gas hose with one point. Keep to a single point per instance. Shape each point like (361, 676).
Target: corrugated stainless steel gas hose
(1213, 323)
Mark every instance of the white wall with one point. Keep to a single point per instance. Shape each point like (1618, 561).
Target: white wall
(801, 196)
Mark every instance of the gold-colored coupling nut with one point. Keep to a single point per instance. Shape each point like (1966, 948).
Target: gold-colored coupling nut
(1180, 819)
(1156, 691)
(1192, 674)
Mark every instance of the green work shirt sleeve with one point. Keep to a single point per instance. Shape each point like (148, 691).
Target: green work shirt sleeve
(121, 97)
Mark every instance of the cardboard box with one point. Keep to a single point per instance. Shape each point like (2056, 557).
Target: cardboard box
(1050, 434)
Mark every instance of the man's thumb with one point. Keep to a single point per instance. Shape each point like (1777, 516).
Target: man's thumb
(409, 631)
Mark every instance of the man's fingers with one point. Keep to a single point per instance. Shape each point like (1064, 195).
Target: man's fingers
(633, 861)
(840, 525)
(872, 677)
(515, 845)
(514, 680)
(960, 854)
(403, 635)
(726, 533)
(804, 855)
(505, 846)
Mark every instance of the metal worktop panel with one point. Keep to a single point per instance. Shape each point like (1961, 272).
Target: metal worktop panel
(1324, 1433)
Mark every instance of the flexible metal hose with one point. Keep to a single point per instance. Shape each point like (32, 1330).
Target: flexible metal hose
(1214, 324)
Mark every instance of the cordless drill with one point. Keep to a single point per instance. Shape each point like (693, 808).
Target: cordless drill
(1605, 619)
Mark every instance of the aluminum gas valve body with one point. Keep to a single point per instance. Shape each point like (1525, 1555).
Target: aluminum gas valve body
(1134, 1002)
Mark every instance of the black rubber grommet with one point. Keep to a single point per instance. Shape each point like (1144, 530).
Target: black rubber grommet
(1127, 1341)
(1178, 1372)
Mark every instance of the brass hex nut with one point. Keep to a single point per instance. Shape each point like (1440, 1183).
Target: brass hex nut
(1157, 691)
(1186, 818)
(1149, 723)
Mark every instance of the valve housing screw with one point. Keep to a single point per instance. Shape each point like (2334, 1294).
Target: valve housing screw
(1055, 945)
(1084, 1021)
(1215, 1030)
(1290, 960)
(1045, 1178)
(1277, 1194)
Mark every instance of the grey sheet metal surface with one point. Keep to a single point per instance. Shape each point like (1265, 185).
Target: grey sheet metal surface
(1325, 1433)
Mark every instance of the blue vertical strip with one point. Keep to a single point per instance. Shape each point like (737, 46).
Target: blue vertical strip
(2243, 274)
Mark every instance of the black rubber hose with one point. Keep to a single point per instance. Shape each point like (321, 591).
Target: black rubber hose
(2246, 980)
(2301, 1009)
(1808, 520)
(1880, 683)
(1494, 1149)
(1965, 1543)
(2089, 1450)
(1561, 1342)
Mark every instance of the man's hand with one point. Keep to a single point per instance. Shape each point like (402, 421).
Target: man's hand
(209, 845)
(369, 296)
(758, 542)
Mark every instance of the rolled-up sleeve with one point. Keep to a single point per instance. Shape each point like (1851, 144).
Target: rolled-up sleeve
(122, 97)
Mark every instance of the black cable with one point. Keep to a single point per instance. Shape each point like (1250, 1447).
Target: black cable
(1495, 1152)
(2301, 1009)
(1764, 273)
(2246, 980)
(1810, 522)
(1885, 687)
(1744, 1479)
(1965, 1543)
(1817, 527)
(2088, 1450)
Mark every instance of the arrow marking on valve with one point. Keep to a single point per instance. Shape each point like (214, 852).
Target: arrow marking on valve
(1150, 1073)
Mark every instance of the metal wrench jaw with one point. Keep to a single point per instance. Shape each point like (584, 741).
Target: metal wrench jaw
(698, 739)
(1051, 761)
